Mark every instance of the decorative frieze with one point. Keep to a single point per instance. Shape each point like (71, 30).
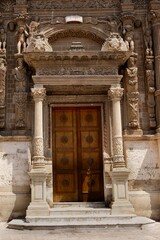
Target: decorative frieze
(72, 70)
(7, 5)
(61, 4)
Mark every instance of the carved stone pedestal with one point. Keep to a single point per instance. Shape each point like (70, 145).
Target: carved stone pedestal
(38, 205)
(121, 204)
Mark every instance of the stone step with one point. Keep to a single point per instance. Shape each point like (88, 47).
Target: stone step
(78, 204)
(52, 223)
(73, 211)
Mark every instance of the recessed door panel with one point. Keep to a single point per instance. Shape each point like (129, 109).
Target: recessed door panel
(77, 154)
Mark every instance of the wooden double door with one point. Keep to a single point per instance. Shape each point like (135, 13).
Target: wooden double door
(77, 154)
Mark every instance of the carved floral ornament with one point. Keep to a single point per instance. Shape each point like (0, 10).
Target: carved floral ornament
(38, 93)
(115, 93)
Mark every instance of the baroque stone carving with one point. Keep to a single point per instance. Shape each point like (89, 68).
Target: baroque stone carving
(117, 146)
(38, 147)
(61, 4)
(133, 107)
(21, 34)
(128, 30)
(38, 93)
(115, 93)
(2, 90)
(150, 90)
(20, 109)
(131, 82)
(7, 5)
(114, 43)
(68, 70)
(20, 75)
(39, 43)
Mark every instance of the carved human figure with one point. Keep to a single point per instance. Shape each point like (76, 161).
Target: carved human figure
(131, 74)
(33, 29)
(2, 40)
(20, 75)
(148, 42)
(129, 35)
(2, 81)
(22, 36)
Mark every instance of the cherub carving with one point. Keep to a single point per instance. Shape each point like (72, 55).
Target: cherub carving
(22, 36)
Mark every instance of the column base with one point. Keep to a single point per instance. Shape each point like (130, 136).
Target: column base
(38, 205)
(121, 204)
(37, 209)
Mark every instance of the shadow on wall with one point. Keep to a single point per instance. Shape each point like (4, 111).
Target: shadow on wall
(144, 180)
(14, 180)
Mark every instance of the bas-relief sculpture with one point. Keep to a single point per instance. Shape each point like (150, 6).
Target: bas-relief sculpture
(131, 79)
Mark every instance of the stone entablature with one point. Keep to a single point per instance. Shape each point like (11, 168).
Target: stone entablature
(57, 63)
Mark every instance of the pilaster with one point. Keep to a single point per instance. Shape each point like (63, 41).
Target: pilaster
(154, 8)
(119, 173)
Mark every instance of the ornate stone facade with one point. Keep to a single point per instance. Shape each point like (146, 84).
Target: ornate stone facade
(80, 54)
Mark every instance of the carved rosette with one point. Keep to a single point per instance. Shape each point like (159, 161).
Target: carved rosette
(38, 94)
(115, 93)
(20, 113)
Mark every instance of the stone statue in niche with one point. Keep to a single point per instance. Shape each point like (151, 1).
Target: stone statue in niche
(22, 36)
(20, 75)
(2, 40)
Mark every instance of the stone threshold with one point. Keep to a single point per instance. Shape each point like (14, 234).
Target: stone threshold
(109, 222)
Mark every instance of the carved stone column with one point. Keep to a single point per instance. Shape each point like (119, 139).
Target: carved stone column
(118, 158)
(38, 148)
(155, 16)
(119, 173)
(38, 175)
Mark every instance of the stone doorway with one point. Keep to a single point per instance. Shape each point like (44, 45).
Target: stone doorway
(77, 154)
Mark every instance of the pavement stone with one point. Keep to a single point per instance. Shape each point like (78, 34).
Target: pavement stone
(148, 232)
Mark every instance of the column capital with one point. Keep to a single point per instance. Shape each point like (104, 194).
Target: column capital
(115, 93)
(38, 93)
